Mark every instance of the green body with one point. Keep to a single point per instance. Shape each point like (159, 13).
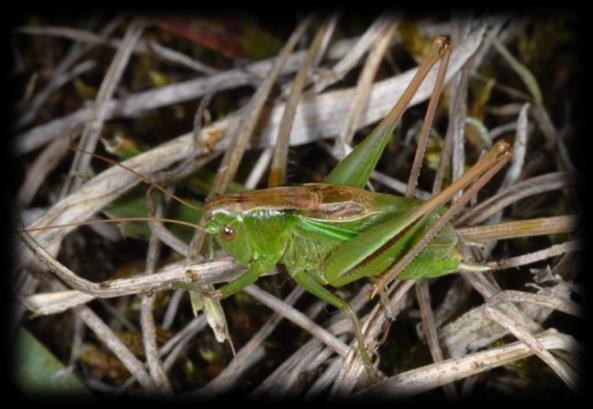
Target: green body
(325, 235)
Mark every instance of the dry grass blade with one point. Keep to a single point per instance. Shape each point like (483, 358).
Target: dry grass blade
(355, 53)
(156, 370)
(141, 47)
(179, 58)
(363, 88)
(99, 192)
(332, 23)
(473, 330)
(37, 173)
(61, 76)
(309, 353)
(299, 319)
(422, 379)
(529, 187)
(278, 169)
(566, 306)
(55, 84)
(519, 150)
(552, 251)
(183, 91)
(56, 302)
(259, 168)
(513, 320)
(430, 330)
(231, 160)
(69, 33)
(186, 333)
(348, 377)
(90, 133)
(115, 288)
(455, 138)
(272, 382)
(233, 371)
(516, 167)
(168, 277)
(487, 287)
(563, 371)
(453, 303)
(526, 76)
(107, 336)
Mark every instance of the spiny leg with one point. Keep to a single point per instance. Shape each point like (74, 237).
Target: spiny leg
(314, 287)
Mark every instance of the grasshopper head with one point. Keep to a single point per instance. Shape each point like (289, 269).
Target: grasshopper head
(230, 233)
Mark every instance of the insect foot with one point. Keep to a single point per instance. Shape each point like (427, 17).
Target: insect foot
(372, 374)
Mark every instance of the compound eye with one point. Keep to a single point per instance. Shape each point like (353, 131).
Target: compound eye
(227, 233)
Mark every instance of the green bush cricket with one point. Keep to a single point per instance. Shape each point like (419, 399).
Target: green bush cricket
(328, 234)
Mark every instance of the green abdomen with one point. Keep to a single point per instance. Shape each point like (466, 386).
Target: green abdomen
(306, 253)
(314, 240)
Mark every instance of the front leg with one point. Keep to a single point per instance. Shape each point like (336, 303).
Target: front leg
(257, 267)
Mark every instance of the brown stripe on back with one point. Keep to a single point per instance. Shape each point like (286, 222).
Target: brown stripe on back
(315, 200)
(340, 202)
(277, 198)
